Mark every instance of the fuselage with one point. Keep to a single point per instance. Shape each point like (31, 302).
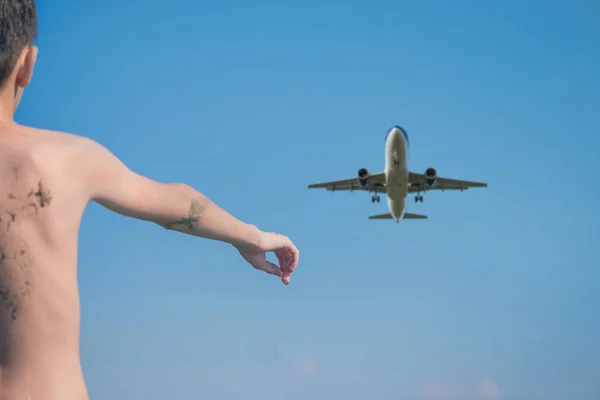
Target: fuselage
(396, 170)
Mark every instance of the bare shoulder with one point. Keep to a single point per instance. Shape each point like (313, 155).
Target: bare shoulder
(64, 142)
(61, 149)
(61, 159)
(80, 168)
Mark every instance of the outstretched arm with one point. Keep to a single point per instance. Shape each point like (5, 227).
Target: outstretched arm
(179, 207)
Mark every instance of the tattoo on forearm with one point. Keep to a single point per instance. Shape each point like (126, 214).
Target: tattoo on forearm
(196, 208)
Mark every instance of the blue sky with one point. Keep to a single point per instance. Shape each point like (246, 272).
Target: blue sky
(495, 296)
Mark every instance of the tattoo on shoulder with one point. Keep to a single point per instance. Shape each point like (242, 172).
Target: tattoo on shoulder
(37, 198)
(197, 206)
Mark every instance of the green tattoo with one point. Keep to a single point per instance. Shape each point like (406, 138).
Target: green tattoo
(192, 218)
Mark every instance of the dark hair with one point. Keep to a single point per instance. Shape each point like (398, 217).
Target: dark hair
(18, 29)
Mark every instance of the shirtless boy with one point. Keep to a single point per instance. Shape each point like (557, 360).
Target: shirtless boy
(46, 180)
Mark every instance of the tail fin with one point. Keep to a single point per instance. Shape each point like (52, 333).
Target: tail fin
(406, 216)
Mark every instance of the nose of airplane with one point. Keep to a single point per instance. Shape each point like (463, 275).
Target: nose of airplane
(396, 133)
(401, 132)
(392, 133)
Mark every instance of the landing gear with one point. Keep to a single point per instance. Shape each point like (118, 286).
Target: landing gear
(418, 198)
(375, 199)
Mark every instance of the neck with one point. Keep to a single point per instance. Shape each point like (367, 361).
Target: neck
(7, 103)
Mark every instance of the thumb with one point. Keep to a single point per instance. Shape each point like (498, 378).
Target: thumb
(269, 268)
(262, 264)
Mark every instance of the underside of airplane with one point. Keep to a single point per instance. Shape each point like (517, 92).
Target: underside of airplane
(397, 182)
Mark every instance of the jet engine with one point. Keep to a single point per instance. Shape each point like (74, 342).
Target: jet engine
(431, 176)
(363, 177)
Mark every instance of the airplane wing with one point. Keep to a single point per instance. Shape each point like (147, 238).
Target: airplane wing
(376, 182)
(418, 182)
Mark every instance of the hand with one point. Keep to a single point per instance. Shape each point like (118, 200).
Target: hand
(287, 254)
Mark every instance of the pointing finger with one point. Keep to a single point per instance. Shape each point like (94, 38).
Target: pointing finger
(294, 257)
(284, 262)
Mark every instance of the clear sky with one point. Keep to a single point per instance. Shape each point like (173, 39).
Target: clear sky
(495, 296)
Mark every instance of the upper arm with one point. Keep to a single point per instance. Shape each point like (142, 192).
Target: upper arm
(115, 186)
(177, 206)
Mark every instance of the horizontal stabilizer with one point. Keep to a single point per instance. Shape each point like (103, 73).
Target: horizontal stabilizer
(406, 216)
(414, 216)
(382, 216)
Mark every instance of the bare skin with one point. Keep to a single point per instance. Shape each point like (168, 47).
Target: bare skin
(46, 180)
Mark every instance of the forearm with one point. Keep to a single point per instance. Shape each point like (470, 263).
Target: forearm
(192, 213)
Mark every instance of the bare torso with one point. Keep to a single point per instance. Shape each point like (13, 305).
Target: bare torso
(41, 204)
(46, 180)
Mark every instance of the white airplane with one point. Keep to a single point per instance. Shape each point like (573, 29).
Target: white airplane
(397, 181)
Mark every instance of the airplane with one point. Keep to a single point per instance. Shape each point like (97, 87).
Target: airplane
(397, 181)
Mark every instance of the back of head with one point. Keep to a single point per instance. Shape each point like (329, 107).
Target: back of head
(18, 30)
